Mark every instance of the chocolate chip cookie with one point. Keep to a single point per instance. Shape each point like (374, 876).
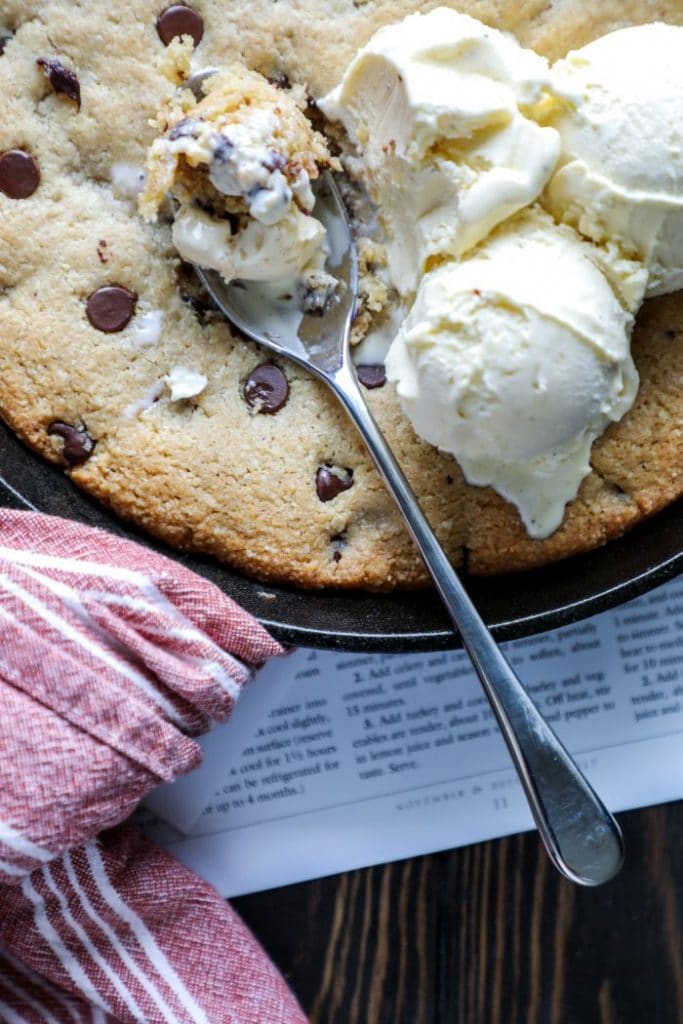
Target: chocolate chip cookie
(260, 466)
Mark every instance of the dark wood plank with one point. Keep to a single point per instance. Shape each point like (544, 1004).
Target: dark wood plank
(488, 935)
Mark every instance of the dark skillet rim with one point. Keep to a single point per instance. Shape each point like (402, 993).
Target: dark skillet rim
(514, 606)
(504, 630)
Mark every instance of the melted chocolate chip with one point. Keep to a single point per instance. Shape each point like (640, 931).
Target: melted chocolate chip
(223, 149)
(19, 174)
(4, 40)
(371, 375)
(180, 20)
(276, 161)
(61, 79)
(331, 481)
(78, 444)
(110, 308)
(185, 129)
(266, 389)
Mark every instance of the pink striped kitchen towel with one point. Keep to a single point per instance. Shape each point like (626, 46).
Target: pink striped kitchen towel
(112, 658)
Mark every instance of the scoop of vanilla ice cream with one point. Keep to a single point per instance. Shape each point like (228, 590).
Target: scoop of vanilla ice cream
(516, 359)
(437, 106)
(620, 175)
(293, 246)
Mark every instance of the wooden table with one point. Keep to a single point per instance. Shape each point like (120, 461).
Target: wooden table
(488, 935)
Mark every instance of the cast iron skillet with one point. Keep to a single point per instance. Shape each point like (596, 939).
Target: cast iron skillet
(513, 606)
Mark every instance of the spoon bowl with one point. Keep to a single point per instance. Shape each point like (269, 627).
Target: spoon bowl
(278, 321)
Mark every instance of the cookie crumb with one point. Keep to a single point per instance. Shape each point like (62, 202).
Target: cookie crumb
(175, 63)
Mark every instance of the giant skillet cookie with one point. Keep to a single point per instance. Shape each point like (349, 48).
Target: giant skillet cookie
(96, 315)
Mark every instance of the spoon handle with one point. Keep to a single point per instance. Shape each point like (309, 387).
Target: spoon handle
(581, 836)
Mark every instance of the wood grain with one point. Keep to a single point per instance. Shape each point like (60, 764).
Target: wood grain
(488, 935)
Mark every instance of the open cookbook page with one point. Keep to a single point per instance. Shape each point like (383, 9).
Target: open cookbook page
(336, 761)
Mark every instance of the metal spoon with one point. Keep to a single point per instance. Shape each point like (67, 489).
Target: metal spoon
(581, 836)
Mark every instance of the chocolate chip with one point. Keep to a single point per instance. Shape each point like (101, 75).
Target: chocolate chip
(110, 308)
(61, 79)
(331, 481)
(339, 542)
(4, 40)
(19, 174)
(266, 389)
(78, 444)
(180, 20)
(371, 375)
